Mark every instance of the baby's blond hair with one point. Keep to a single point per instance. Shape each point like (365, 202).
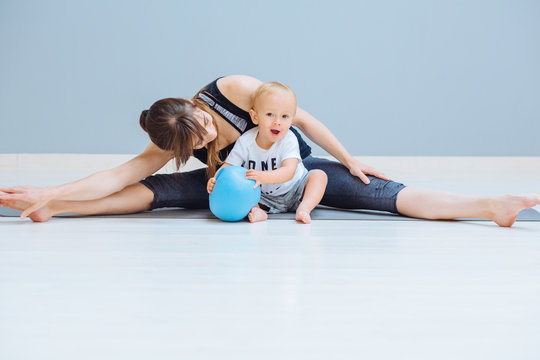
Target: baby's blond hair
(269, 87)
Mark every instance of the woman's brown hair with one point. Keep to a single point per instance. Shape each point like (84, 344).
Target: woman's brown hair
(212, 160)
(172, 125)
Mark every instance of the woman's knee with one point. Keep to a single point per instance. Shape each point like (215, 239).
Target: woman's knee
(138, 197)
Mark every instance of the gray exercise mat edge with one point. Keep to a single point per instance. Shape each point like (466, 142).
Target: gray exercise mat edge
(319, 213)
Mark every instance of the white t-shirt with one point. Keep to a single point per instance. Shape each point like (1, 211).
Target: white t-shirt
(248, 154)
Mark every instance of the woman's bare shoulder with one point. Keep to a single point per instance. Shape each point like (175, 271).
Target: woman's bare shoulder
(239, 81)
(239, 89)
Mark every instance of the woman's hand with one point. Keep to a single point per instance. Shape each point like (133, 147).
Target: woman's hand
(361, 170)
(35, 197)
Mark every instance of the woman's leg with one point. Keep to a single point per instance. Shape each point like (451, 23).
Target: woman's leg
(348, 192)
(132, 199)
(187, 190)
(429, 204)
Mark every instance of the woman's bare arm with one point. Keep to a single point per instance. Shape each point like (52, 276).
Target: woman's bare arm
(107, 182)
(240, 89)
(95, 186)
(319, 134)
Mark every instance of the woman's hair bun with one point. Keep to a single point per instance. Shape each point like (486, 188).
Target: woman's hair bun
(142, 120)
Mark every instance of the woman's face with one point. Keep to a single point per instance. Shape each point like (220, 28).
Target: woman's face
(206, 121)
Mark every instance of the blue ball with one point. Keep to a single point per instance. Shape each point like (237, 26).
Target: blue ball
(233, 195)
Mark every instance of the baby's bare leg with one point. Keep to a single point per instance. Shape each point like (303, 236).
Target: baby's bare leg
(313, 193)
(257, 214)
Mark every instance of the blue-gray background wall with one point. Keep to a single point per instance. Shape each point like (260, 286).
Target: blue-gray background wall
(387, 77)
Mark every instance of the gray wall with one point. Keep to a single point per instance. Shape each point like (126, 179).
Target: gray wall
(387, 77)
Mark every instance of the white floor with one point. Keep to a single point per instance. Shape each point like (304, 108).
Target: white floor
(109, 288)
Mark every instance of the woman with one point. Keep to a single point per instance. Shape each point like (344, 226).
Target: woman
(207, 127)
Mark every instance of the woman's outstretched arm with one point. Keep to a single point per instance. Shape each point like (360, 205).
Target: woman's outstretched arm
(95, 186)
(239, 89)
(319, 134)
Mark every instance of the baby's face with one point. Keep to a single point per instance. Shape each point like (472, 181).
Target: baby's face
(274, 113)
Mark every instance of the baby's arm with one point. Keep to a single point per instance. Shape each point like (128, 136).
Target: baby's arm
(212, 181)
(283, 174)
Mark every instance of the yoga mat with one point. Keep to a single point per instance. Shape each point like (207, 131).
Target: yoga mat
(319, 213)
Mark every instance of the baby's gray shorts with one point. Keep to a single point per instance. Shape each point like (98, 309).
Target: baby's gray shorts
(285, 202)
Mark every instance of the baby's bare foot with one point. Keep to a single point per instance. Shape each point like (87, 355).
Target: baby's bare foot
(506, 208)
(302, 215)
(257, 214)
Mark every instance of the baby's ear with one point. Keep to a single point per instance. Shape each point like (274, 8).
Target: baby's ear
(253, 115)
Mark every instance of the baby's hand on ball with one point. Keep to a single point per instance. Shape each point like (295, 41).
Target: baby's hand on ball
(210, 185)
(255, 175)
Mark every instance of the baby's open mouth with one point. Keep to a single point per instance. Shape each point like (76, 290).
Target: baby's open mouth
(275, 132)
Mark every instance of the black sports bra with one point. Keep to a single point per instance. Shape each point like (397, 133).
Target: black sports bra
(237, 117)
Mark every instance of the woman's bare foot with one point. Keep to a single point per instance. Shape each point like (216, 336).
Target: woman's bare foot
(257, 214)
(505, 209)
(41, 215)
(302, 215)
